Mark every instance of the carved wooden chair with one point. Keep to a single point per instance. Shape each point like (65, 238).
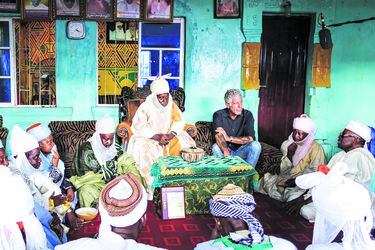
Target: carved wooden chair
(3, 132)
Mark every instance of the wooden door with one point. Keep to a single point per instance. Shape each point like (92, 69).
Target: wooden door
(282, 75)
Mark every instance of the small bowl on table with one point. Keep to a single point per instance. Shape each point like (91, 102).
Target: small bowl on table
(192, 154)
(86, 213)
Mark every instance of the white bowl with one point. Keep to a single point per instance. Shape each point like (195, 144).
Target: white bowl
(86, 213)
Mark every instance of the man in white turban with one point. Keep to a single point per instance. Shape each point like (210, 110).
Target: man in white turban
(235, 226)
(44, 191)
(51, 165)
(341, 205)
(301, 155)
(97, 162)
(19, 228)
(352, 140)
(122, 207)
(158, 130)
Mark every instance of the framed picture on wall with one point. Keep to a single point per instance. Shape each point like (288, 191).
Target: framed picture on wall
(67, 8)
(36, 9)
(99, 9)
(122, 32)
(227, 8)
(128, 9)
(9, 6)
(158, 11)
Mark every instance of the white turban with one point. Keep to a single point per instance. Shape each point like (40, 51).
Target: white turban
(39, 130)
(360, 129)
(105, 125)
(122, 202)
(160, 86)
(304, 123)
(341, 204)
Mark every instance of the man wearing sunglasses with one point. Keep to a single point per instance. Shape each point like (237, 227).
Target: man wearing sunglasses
(353, 142)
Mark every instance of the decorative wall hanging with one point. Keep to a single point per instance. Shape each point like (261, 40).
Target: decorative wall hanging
(250, 66)
(9, 6)
(36, 9)
(321, 67)
(99, 9)
(127, 9)
(67, 8)
(158, 11)
(227, 8)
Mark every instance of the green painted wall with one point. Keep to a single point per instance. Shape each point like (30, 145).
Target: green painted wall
(213, 63)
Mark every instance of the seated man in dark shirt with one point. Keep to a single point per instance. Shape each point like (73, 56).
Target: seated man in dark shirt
(233, 128)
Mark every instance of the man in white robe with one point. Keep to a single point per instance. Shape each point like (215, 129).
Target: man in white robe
(19, 228)
(353, 142)
(301, 155)
(158, 130)
(341, 205)
(122, 207)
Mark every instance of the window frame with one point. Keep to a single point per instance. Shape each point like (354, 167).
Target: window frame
(182, 50)
(12, 76)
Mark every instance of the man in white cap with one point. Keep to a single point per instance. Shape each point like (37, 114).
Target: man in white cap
(341, 205)
(122, 207)
(44, 191)
(235, 226)
(301, 155)
(96, 162)
(352, 140)
(19, 228)
(51, 164)
(157, 129)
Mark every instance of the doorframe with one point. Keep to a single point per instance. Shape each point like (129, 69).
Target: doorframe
(309, 91)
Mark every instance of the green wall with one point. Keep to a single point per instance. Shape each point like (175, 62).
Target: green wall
(213, 63)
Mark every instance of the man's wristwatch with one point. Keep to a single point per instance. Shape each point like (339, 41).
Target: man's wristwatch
(230, 138)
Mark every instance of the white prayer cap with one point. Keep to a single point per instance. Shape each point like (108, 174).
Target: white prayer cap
(15, 141)
(304, 123)
(105, 125)
(160, 85)
(39, 130)
(360, 129)
(123, 201)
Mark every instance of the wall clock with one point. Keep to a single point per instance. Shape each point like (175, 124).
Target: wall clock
(75, 30)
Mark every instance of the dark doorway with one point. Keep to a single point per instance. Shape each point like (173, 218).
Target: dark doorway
(282, 75)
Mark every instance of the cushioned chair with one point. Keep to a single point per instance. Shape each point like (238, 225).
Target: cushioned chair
(129, 102)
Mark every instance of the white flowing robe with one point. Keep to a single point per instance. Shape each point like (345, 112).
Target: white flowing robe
(361, 165)
(148, 121)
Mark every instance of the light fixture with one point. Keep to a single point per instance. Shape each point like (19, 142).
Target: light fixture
(287, 7)
(325, 39)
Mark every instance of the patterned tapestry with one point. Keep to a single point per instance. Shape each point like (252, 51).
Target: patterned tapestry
(118, 66)
(35, 60)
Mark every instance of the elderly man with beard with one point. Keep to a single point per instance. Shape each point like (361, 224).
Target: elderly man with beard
(157, 129)
(301, 155)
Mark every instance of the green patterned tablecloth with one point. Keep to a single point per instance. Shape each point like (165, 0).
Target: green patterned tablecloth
(202, 179)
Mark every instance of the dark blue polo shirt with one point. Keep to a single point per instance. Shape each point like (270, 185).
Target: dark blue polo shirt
(243, 125)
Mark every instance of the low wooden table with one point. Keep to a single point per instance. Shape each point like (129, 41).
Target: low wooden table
(201, 179)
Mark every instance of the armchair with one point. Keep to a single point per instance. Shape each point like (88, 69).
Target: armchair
(3, 132)
(129, 102)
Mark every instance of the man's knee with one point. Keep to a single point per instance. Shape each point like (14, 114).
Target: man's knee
(254, 147)
(216, 151)
(308, 212)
